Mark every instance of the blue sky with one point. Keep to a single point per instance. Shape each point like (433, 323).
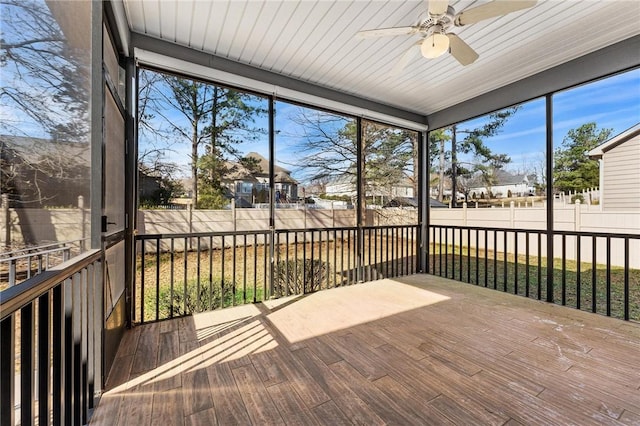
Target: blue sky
(613, 103)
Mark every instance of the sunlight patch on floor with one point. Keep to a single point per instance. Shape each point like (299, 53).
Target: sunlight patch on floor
(337, 309)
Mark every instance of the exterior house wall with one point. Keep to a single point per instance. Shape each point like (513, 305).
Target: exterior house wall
(348, 188)
(503, 190)
(341, 188)
(621, 176)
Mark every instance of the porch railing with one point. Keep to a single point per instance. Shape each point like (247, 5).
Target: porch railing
(19, 265)
(597, 272)
(181, 274)
(50, 333)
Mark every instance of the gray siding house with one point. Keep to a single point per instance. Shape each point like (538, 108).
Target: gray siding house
(619, 159)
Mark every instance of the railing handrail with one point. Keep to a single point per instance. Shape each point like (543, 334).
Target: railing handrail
(15, 297)
(141, 237)
(34, 254)
(542, 231)
(335, 228)
(199, 234)
(32, 251)
(412, 225)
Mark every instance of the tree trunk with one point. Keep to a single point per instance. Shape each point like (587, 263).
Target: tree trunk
(194, 166)
(454, 160)
(416, 166)
(441, 173)
(194, 156)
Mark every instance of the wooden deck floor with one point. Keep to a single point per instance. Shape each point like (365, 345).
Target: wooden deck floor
(416, 350)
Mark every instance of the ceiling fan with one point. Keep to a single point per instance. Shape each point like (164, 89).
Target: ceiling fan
(435, 30)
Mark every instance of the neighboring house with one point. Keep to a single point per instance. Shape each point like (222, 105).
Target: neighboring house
(505, 184)
(412, 202)
(345, 184)
(342, 185)
(149, 184)
(37, 172)
(249, 187)
(619, 158)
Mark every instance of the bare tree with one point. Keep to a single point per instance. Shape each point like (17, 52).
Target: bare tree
(329, 153)
(45, 101)
(45, 71)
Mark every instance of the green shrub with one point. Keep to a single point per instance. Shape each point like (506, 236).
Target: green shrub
(299, 276)
(195, 300)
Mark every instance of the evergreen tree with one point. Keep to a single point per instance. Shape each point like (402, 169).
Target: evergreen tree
(486, 162)
(573, 170)
(217, 120)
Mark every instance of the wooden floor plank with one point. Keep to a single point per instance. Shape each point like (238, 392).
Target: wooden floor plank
(407, 371)
(120, 371)
(410, 404)
(331, 414)
(352, 349)
(226, 397)
(129, 342)
(311, 392)
(136, 408)
(290, 406)
(341, 393)
(324, 351)
(378, 401)
(202, 418)
(414, 350)
(400, 338)
(108, 411)
(457, 413)
(268, 368)
(527, 408)
(196, 391)
(257, 401)
(146, 354)
(514, 371)
(168, 351)
(599, 380)
(167, 408)
(581, 401)
(630, 418)
(457, 362)
(428, 386)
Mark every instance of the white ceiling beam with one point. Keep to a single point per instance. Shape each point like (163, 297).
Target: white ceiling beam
(612, 59)
(180, 59)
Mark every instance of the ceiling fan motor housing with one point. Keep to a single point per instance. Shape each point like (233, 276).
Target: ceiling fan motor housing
(444, 22)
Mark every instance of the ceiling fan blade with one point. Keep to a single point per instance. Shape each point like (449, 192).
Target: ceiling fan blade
(406, 57)
(386, 32)
(438, 7)
(491, 10)
(461, 50)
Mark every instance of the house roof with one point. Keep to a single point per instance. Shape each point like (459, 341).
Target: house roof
(263, 164)
(502, 177)
(281, 175)
(621, 138)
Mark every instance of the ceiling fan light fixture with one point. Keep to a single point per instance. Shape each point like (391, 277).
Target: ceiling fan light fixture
(434, 45)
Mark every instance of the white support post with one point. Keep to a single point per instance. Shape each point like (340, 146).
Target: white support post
(512, 214)
(464, 214)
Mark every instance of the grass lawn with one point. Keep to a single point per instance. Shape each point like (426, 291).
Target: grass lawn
(570, 288)
(216, 278)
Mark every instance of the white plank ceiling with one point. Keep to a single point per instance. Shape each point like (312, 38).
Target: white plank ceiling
(313, 41)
